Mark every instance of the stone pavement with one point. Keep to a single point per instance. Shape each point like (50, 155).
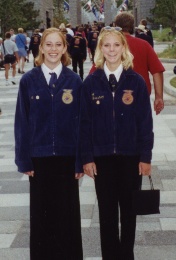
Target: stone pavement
(155, 235)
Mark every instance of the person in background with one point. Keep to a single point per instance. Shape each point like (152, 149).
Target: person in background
(141, 33)
(28, 40)
(13, 35)
(35, 43)
(46, 122)
(1, 60)
(69, 29)
(115, 140)
(41, 30)
(10, 56)
(1, 41)
(62, 26)
(149, 32)
(68, 37)
(21, 42)
(78, 52)
(145, 61)
(92, 41)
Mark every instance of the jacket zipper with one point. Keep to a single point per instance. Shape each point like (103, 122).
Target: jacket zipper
(52, 96)
(113, 95)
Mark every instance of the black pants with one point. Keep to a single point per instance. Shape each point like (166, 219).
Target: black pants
(92, 54)
(55, 226)
(77, 61)
(117, 177)
(35, 54)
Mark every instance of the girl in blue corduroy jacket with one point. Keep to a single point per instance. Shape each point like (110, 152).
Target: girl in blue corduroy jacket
(115, 140)
(46, 123)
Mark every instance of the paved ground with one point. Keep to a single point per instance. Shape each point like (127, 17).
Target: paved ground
(156, 234)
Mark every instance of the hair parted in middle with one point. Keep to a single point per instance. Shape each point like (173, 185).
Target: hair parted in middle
(126, 58)
(65, 59)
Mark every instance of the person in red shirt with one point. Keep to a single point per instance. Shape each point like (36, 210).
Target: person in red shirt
(145, 59)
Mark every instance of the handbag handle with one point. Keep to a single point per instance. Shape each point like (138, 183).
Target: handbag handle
(151, 182)
(4, 49)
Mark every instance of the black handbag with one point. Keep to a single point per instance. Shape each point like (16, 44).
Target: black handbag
(146, 202)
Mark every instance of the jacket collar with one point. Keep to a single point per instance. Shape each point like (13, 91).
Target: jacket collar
(102, 76)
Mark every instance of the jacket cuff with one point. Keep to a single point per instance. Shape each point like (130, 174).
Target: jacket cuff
(146, 158)
(88, 158)
(24, 166)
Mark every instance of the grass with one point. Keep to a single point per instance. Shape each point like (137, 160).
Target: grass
(173, 82)
(166, 36)
(163, 36)
(169, 53)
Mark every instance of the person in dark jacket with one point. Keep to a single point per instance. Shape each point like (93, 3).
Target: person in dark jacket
(78, 52)
(141, 33)
(35, 43)
(149, 32)
(115, 140)
(92, 41)
(46, 123)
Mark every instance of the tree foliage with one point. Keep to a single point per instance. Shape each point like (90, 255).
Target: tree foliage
(164, 13)
(59, 13)
(18, 13)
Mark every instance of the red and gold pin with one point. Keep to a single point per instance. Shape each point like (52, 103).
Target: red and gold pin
(128, 97)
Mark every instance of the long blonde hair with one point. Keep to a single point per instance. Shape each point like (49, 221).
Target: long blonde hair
(126, 58)
(65, 59)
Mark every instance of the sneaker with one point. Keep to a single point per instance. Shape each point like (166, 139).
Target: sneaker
(7, 83)
(19, 71)
(14, 81)
(22, 72)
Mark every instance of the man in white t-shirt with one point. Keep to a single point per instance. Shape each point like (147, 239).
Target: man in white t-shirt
(69, 30)
(10, 54)
(13, 35)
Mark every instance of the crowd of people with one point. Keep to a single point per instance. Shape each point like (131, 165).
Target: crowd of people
(67, 126)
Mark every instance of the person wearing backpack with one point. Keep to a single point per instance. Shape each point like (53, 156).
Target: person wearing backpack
(34, 44)
(78, 52)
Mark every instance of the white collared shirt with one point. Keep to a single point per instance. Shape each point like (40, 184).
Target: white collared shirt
(47, 71)
(116, 72)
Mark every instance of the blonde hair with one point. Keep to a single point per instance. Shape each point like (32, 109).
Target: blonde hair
(20, 30)
(65, 59)
(126, 58)
(62, 26)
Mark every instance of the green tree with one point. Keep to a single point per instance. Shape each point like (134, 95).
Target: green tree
(18, 13)
(59, 13)
(164, 13)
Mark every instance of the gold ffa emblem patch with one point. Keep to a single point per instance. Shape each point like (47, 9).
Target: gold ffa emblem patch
(127, 97)
(67, 96)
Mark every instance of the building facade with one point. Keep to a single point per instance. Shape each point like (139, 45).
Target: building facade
(141, 9)
(46, 12)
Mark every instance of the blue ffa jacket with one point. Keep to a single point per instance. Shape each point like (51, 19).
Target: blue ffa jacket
(120, 124)
(46, 124)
